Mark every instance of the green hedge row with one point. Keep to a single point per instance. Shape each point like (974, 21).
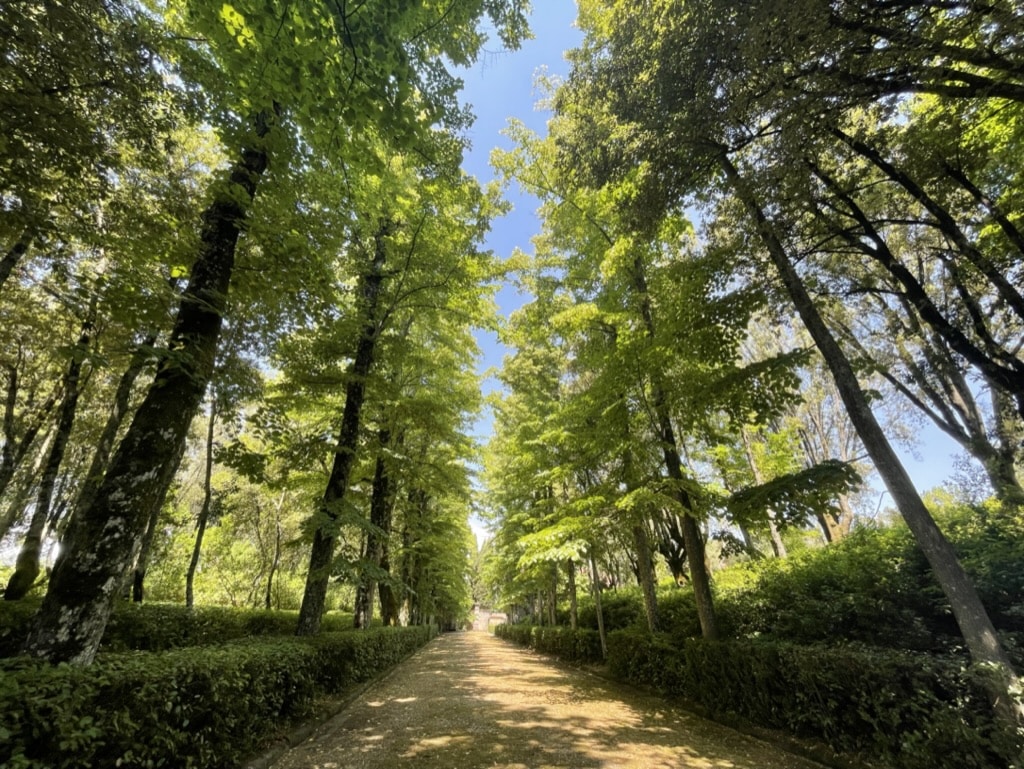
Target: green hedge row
(906, 710)
(572, 645)
(158, 627)
(180, 708)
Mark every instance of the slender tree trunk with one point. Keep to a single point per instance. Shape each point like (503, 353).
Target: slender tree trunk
(276, 559)
(570, 567)
(322, 552)
(105, 444)
(273, 567)
(692, 539)
(106, 537)
(553, 602)
(204, 511)
(8, 467)
(365, 592)
(595, 586)
(138, 571)
(10, 404)
(24, 490)
(645, 574)
(27, 565)
(778, 546)
(970, 614)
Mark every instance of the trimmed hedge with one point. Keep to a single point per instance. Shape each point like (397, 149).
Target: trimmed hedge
(181, 708)
(571, 645)
(162, 626)
(910, 711)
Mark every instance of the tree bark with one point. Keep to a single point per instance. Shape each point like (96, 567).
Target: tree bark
(105, 538)
(14, 254)
(645, 574)
(693, 541)
(570, 567)
(321, 555)
(138, 570)
(8, 467)
(27, 565)
(970, 614)
(118, 411)
(595, 585)
(204, 511)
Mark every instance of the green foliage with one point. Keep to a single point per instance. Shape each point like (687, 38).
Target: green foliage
(180, 708)
(567, 644)
(907, 710)
(159, 627)
(873, 587)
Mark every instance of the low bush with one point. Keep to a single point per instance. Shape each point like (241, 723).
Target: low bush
(180, 708)
(567, 644)
(161, 626)
(911, 711)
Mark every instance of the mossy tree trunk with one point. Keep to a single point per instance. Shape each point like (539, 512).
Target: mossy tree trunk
(105, 538)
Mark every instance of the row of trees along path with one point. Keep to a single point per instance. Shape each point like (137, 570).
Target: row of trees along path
(471, 700)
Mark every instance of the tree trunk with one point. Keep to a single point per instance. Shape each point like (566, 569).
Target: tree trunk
(27, 565)
(645, 574)
(321, 555)
(595, 585)
(968, 610)
(273, 567)
(692, 539)
(570, 567)
(14, 254)
(778, 547)
(106, 537)
(138, 571)
(381, 505)
(19, 502)
(12, 460)
(204, 511)
(105, 444)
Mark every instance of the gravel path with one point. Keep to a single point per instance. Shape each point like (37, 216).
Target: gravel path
(470, 701)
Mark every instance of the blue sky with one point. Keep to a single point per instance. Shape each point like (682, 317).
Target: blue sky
(500, 86)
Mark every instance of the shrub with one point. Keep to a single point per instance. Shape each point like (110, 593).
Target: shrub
(180, 708)
(911, 711)
(161, 626)
(571, 645)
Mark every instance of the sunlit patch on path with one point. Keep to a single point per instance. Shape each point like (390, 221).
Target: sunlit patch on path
(471, 701)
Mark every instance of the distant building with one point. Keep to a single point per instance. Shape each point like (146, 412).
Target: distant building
(485, 619)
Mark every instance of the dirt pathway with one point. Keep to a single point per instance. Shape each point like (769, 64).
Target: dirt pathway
(470, 701)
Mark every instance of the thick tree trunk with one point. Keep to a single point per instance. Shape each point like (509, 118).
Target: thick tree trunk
(106, 537)
(321, 555)
(27, 565)
(204, 511)
(970, 614)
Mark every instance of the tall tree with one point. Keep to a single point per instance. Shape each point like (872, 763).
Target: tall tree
(276, 69)
(695, 115)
